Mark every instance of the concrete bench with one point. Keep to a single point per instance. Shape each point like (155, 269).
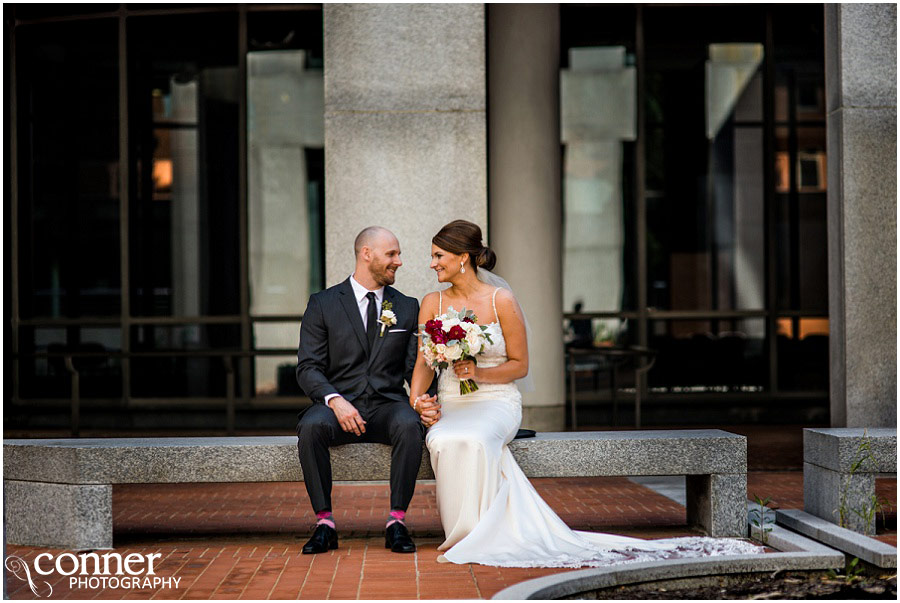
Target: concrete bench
(839, 470)
(59, 491)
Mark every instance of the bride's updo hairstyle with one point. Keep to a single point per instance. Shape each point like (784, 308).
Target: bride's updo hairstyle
(461, 236)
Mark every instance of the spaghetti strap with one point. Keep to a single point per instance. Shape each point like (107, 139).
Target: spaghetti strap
(494, 303)
(440, 302)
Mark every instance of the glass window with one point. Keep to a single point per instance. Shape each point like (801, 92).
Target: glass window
(704, 150)
(182, 375)
(598, 87)
(47, 377)
(275, 375)
(700, 356)
(184, 92)
(285, 134)
(286, 180)
(68, 137)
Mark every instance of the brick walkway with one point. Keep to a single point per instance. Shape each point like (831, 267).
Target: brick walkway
(230, 541)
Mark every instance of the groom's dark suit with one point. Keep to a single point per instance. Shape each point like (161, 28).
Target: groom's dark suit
(334, 358)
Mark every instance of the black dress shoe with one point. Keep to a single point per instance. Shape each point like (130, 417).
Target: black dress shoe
(396, 538)
(323, 539)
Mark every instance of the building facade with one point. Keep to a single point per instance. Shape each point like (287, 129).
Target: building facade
(714, 183)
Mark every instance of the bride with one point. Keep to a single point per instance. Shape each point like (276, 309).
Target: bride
(489, 510)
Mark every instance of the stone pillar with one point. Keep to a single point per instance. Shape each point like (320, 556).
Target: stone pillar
(861, 100)
(405, 133)
(525, 213)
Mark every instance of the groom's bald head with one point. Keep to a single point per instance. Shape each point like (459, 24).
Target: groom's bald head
(377, 256)
(370, 237)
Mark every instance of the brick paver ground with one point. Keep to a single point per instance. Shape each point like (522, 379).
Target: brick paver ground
(243, 541)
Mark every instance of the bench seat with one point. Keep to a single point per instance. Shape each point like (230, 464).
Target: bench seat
(59, 491)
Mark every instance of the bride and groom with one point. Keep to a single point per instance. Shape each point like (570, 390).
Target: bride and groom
(358, 345)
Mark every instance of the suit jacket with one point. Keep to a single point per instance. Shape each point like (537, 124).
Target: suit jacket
(334, 356)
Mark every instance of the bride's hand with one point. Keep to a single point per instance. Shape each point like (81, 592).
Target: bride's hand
(466, 369)
(429, 409)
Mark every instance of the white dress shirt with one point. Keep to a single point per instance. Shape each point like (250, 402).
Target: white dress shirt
(360, 292)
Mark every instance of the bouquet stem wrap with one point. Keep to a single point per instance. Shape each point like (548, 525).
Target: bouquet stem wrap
(467, 386)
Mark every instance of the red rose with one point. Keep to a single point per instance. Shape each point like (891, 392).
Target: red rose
(433, 326)
(438, 337)
(457, 333)
(469, 319)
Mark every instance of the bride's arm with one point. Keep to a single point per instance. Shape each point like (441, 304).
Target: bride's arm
(513, 326)
(422, 373)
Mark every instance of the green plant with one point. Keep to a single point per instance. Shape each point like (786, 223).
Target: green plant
(868, 512)
(761, 519)
(852, 572)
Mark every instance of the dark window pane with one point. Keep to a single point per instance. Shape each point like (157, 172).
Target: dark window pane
(173, 376)
(184, 92)
(100, 374)
(41, 11)
(803, 354)
(704, 154)
(709, 356)
(68, 169)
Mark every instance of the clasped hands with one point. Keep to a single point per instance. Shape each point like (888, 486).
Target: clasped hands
(429, 409)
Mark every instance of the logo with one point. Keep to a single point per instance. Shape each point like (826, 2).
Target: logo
(91, 570)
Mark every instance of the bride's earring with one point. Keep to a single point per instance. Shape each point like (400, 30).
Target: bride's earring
(462, 267)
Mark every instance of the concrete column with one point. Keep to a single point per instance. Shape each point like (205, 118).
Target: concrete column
(525, 211)
(405, 133)
(861, 97)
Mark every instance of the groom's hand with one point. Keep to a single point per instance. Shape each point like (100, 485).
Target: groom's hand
(429, 410)
(348, 416)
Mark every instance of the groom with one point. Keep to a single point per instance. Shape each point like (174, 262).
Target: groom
(357, 344)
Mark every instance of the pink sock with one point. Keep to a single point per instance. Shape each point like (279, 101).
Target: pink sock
(325, 517)
(396, 516)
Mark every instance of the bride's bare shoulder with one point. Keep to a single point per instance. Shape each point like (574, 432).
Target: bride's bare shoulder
(507, 304)
(505, 297)
(430, 299)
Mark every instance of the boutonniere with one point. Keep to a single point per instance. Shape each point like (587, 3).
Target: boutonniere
(388, 318)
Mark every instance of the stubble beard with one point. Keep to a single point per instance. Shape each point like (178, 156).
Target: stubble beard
(381, 274)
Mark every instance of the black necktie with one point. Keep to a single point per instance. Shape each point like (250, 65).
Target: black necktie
(371, 319)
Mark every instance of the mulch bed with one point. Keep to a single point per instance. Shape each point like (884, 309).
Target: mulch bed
(792, 585)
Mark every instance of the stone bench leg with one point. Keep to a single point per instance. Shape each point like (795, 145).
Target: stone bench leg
(66, 516)
(718, 504)
(826, 492)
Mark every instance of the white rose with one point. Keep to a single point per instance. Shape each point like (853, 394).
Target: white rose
(389, 317)
(468, 327)
(449, 323)
(440, 348)
(473, 338)
(454, 352)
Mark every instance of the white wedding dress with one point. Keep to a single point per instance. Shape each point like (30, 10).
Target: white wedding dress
(490, 512)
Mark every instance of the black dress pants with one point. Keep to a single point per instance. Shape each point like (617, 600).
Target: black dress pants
(387, 422)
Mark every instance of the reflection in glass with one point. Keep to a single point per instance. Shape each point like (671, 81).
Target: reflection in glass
(597, 105)
(274, 374)
(285, 131)
(183, 130)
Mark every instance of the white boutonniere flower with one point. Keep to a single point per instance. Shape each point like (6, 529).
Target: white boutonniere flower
(388, 318)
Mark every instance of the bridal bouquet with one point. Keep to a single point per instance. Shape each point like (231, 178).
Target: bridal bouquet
(453, 336)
